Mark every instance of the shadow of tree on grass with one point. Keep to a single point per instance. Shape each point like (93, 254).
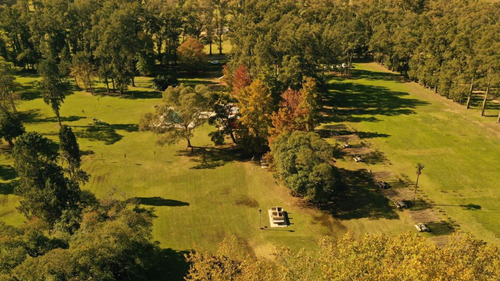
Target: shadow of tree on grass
(360, 198)
(134, 95)
(213, 157)
(375, 157)
(171, 265)
(375, 75)
(104, 132)
(7, 172)
(29, 116)
(34, 116)
(158, 201)
(328, 133)
(7, 188)
(439, 228)
(353, 102)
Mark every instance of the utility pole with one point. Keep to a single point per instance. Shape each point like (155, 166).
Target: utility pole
(260, 219)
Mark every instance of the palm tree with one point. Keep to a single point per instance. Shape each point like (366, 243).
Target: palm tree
(419, 167)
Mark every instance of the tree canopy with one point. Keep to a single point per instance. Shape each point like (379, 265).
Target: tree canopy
(179, 114)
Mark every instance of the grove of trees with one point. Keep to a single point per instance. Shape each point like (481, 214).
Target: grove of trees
(370, 257)
(69, 234)
(449, 46)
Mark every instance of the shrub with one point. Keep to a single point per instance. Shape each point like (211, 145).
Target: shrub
(162, 82)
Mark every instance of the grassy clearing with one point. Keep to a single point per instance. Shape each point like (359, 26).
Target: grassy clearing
(197, 202)
(397, 125)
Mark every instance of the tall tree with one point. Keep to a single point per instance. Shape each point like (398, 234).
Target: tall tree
(44, 190)
(120, 39)
(298, 110)
(255, 108)
(419, 168)
(191, 54)
(7, 84)
(70, 153)
(55, 88)
(179, 114)
(221, 11)
(240, 79)
(83, 70)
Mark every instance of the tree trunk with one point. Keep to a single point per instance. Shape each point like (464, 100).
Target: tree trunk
(133, 81)
(349, 66)
(107, 84)
(498, 119)
(113, 82)
(58, 118)
(210, 45)
(9, 140)
(470, 93)
(235, 142)
(485, 99)
(12, 103)
(189, 144)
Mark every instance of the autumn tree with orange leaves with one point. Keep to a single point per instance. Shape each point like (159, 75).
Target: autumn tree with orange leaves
(256, 107)
(298, 110)
(191, 54)
(241, 79)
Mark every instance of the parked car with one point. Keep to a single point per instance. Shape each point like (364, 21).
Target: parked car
(400, 204)
(383, 184)
(358, 158)
(422, 227)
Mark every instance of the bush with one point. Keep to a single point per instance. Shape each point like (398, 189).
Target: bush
(217, 137)
(162, 82)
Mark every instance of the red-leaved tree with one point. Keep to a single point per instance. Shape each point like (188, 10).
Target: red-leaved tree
(241, 79)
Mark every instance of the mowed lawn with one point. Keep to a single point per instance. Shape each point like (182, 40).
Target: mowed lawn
(405, 124)
(198, 199)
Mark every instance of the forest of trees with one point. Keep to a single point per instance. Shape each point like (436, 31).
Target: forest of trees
(282, 53)
(369, 257)
(449, 46)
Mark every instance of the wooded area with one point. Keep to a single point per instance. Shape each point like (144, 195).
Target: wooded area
(269, 105)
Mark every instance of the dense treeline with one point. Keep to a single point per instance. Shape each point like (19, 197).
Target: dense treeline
(111, 39)
(371, 257)
(449, 46)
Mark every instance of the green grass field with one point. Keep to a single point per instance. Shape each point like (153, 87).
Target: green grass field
(404, 124)
(198, 203)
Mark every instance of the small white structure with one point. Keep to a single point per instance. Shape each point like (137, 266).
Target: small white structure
(277, 217)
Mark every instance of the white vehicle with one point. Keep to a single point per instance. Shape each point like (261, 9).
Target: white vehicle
(422, 227)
